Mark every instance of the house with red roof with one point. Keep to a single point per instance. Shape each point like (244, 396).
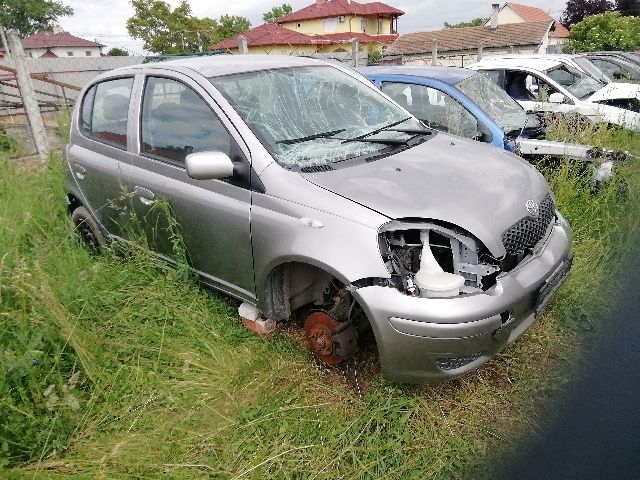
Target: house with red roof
(58, 43)
(325, 26)
(509, 13)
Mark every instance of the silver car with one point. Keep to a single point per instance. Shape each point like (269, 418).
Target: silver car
(304, 191)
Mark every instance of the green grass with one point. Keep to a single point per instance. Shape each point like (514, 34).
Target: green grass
(155, 376)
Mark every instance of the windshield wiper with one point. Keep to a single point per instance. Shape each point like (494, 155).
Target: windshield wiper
(417, 131)
(378, 130)
(385, 141)
(311, 137)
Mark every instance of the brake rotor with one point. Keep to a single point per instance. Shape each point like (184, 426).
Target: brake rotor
(319, 330)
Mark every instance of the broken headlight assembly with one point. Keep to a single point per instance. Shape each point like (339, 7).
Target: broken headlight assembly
(431, 260)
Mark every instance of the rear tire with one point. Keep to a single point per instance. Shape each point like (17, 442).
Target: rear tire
(88, 231)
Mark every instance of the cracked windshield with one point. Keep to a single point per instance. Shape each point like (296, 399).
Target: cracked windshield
(317, 115)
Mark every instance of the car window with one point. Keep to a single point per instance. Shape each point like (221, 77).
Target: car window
(316, 115)
(176, 121)
(434, 107)
(105, 109)
(577, 83)
(615, 71)
(494, 75)
(526, 87)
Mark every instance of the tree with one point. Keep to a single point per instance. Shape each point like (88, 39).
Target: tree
(577, 10)
(628, 7)
(276, 12)
(164, 30)
(30, 16)
(476, 22)
(607, 31)
(230, 25)
(117, 52)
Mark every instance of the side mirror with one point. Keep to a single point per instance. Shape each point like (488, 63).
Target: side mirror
(209, 165)
(556, 97)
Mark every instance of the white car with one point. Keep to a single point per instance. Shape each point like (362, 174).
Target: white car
(550, 85)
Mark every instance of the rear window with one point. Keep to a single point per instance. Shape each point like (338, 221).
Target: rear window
(104, 112)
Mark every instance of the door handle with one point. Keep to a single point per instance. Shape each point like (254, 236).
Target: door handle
(146, 196)
(79, 170)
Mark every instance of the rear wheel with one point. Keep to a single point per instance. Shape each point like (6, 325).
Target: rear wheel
(88, 231)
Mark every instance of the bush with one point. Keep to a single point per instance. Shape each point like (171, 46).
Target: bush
(606, 31)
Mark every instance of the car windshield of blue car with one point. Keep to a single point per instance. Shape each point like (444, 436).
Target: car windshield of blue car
(577, 83)
(495, 102)
(316, 115)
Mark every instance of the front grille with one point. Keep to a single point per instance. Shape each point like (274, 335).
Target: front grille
(451, 363)
(526, 233)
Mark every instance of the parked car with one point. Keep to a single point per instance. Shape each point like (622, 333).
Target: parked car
(605, 68)
(467, 103)
(302, 189)
(548, 85)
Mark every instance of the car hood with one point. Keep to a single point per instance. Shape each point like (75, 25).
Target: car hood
(615, 91)
(479, 188)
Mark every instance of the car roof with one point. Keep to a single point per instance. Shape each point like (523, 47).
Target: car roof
(539, 64)
(450, 75)
(219, 65)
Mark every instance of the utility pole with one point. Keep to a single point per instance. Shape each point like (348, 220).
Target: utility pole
(28, 95)
(242, 45)
(355, 46)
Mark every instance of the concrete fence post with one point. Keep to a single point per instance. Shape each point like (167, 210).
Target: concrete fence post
(434, 53)
(242, 45)
(355, 46)
(28, 95)
(4, 42)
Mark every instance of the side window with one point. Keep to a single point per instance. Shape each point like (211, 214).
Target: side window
(526, 87)
(433, 107)
(105, 109)
(494, 75)
(176, 121)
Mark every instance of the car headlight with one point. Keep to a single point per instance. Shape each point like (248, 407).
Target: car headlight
(431, 260)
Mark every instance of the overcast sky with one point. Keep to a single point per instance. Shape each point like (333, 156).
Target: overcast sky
(104, 20)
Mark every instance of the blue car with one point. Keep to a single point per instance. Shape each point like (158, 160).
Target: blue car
(467, 103)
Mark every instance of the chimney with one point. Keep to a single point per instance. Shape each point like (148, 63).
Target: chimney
(57, 29)
(320, 2)
(495, 8)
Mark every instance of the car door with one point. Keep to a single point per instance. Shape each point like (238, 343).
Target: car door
(203, 222)
(99, 148)
(533, 91)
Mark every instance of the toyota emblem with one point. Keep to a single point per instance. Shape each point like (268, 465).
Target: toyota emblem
(532, 208)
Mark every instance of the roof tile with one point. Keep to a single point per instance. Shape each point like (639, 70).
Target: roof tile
(335, 8)
(469, 38)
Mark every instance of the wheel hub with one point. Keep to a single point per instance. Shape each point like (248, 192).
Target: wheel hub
(329, 340)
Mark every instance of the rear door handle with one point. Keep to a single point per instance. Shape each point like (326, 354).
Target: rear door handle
(79, 170)
(146, 196)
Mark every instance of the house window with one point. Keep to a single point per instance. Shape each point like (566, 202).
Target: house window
(363, 24)
(69, 54)
(379, 31)
(30, 54)
(298, 25)
(87, 53)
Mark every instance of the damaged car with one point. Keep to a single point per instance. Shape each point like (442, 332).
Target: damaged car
(467, 103)
(309, 195)
(552, 87)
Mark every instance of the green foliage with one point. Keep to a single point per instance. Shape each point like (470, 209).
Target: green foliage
(10, 145)
(476, 22)
(276, 12)
(165, 30)
(154, 376)
(30, 16)
(117, 52)
(607, 31)
(374, 55)
(578, 10)
(230, 25)
(63, 121)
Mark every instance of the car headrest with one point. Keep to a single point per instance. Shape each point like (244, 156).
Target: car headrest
(115, 107)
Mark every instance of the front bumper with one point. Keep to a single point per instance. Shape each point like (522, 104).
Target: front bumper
(422, 340)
